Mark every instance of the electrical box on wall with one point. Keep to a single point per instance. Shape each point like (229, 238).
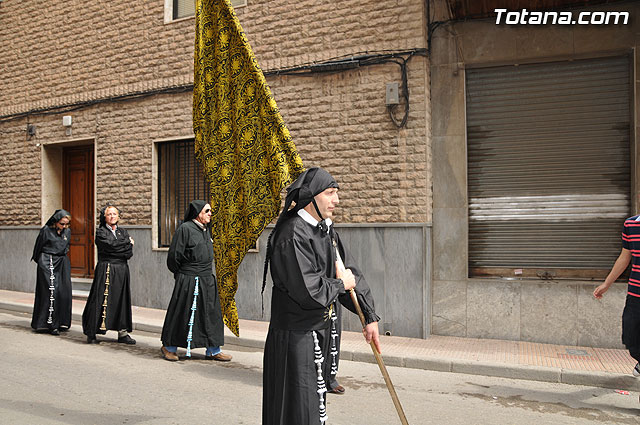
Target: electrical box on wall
(392, 94)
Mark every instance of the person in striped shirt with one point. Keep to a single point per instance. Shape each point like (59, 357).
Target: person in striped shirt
(631, 313)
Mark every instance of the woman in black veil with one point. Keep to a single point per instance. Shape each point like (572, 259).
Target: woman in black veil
(52, 305)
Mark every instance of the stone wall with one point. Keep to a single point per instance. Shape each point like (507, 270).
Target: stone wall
(64, 53)
(61, 53)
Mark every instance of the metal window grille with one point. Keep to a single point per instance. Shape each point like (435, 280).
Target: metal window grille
(181, 180)
(184, 8)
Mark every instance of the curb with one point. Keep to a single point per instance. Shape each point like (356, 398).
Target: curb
(20, 308)
(499, 370)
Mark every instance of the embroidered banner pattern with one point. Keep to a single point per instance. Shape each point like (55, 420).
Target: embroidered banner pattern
(241, 139)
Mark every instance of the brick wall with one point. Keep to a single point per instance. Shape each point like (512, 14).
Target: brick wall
(340, 122)
(19, 175)
(56, 53)
(63, 51)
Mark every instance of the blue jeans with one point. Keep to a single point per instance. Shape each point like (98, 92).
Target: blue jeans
(211, 351)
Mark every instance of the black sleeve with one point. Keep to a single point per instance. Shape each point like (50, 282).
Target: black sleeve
(176, 256)
(40, 241)
(294, 268)
(111, 246)
(128, 245)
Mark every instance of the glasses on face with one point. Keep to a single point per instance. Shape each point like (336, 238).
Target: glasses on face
(64, 224)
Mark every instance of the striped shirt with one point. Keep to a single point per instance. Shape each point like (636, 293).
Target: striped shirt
(631, 241)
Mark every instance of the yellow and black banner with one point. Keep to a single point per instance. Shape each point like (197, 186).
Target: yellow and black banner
(240, 138)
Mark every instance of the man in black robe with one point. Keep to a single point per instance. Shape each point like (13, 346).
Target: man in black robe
(311, 271)
(194, 317)
(108, 306)
(52, 304)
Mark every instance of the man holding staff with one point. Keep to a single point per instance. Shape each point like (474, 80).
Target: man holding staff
(311, 271)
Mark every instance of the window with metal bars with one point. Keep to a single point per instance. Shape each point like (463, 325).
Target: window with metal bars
(185, 8)
(180, 181)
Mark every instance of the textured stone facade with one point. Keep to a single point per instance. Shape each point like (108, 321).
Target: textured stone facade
(62, 53)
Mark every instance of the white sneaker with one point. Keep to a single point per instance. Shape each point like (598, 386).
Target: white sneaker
(636, 370)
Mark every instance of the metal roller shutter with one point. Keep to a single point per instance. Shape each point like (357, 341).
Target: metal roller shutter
(548, 167)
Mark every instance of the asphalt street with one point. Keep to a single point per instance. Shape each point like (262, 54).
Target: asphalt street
(63, 380)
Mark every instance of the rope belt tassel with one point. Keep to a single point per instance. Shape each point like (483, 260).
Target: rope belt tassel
(103, 327)
(52, 288)
(322, 388)
(193, 315)
(334, 347)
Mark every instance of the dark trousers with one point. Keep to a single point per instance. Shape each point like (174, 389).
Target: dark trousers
(631, 326)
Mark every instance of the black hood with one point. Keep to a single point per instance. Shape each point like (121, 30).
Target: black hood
(309, 184)
(194, 210)
(57, 216)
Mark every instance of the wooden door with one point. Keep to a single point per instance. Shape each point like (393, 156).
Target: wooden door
(78, 200)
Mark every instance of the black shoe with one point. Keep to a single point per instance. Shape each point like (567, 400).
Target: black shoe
(636, 370)
(127, 340)
(54, 332)
(92, 340)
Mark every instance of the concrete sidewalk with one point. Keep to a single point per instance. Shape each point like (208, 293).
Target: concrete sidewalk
(600, 367)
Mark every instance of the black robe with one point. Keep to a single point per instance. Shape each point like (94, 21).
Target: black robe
(304, 290)
(113, 253)
(190, 257)
(52, 305)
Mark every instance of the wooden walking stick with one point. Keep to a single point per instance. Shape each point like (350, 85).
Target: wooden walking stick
(383, 369)
(376, 353)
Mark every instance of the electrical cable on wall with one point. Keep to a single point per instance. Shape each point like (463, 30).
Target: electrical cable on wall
(331, 66)
(60, 109)
(405, 96)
